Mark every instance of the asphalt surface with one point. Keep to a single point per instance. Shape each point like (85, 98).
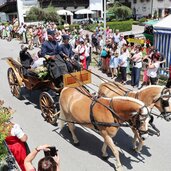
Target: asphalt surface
(155, 155)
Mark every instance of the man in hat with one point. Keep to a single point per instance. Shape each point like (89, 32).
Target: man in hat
(50, 46)
(68, 54)
(56, 66)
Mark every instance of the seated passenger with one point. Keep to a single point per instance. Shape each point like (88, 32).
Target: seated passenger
(68, 55)
(25, 57)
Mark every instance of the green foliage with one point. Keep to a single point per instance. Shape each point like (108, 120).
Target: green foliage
(5, 115)
(51, 14)
(90, 27)
(74, 26)
(71, 27)
(47, 14)
(35, 14)
(142, 20)
(121, 25)
(120, 11)
(135, 22)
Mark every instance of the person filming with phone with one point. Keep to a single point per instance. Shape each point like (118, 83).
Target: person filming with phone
(48, 163)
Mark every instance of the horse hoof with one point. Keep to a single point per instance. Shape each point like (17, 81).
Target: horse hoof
(136, 150)
(105, 157)
(119, 168)
(77, 144)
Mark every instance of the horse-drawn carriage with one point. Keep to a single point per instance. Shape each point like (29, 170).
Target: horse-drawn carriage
(78, 106)
(48, 99)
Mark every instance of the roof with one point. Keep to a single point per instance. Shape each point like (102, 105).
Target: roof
(164, 25)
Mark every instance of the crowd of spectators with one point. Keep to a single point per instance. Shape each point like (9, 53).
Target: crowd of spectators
(119, 58)
(115, 55)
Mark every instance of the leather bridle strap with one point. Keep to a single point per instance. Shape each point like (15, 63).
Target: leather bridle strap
(92, 116)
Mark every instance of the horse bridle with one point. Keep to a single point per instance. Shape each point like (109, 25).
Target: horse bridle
(137, 123)
(164, 103)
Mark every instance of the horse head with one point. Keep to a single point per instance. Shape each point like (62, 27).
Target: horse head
(135, 112)
(163, 102)
(142, 122)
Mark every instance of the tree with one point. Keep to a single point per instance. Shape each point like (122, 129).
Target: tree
(46, 14)
(35, 14)
(51, 14)
(120, 11)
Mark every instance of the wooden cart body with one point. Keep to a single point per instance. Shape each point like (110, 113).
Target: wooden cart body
(48, 100)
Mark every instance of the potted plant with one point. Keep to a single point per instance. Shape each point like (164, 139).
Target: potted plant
(5, 114)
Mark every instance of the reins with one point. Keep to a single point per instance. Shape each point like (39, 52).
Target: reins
(94, 101)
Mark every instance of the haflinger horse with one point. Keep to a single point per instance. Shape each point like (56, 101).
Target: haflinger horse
(104, 114)
(154, 96)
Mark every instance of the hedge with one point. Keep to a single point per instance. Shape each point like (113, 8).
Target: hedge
(71, 27)
(121, 25)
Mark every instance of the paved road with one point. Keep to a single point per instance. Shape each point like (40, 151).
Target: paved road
(155, 156)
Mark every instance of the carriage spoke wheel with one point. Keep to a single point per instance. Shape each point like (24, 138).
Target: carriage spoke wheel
(14, 84)
(48, 107)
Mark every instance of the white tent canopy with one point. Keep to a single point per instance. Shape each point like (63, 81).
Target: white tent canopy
(84, 11)
(64, 12)
(162, 38)
(164, 24)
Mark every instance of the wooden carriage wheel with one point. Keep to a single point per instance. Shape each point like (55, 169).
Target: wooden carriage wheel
(48, 107)
(14, 84)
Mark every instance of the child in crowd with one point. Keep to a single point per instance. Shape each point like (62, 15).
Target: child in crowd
(145, 77)
(114, 62)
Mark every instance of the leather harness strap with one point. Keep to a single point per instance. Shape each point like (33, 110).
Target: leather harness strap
(92, 116)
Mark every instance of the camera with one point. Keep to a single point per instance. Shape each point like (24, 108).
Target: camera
(52, 152)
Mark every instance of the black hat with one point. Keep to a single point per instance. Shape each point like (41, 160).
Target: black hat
(51, 32)
(65, 37)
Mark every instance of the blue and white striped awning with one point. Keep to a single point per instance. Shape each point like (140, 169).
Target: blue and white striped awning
(162, 42)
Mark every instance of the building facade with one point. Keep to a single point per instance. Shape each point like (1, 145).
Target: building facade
(152, 8)
(10, 7)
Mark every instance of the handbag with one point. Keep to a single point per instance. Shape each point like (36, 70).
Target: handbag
(103, 52)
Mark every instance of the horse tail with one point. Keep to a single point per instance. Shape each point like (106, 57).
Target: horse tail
(62, 118)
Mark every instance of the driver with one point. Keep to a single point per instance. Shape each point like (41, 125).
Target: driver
(56, 65)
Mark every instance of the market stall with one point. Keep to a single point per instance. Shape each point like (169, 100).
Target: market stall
(162, 38)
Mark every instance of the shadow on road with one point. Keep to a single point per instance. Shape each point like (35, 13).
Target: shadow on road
(92, 144)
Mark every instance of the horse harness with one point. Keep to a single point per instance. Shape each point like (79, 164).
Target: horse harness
(135, 124)
(164, 103)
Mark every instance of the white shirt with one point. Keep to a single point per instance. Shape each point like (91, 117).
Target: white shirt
(137, 58)
(87, 50)
(101, 43)
(121, 43)
(38, 63)
(17, 131)
(116, 38)
(123, 59)
(77, 49)
(152, 72)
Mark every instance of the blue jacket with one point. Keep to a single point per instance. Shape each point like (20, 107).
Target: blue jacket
(67, 50)
(50, 48)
